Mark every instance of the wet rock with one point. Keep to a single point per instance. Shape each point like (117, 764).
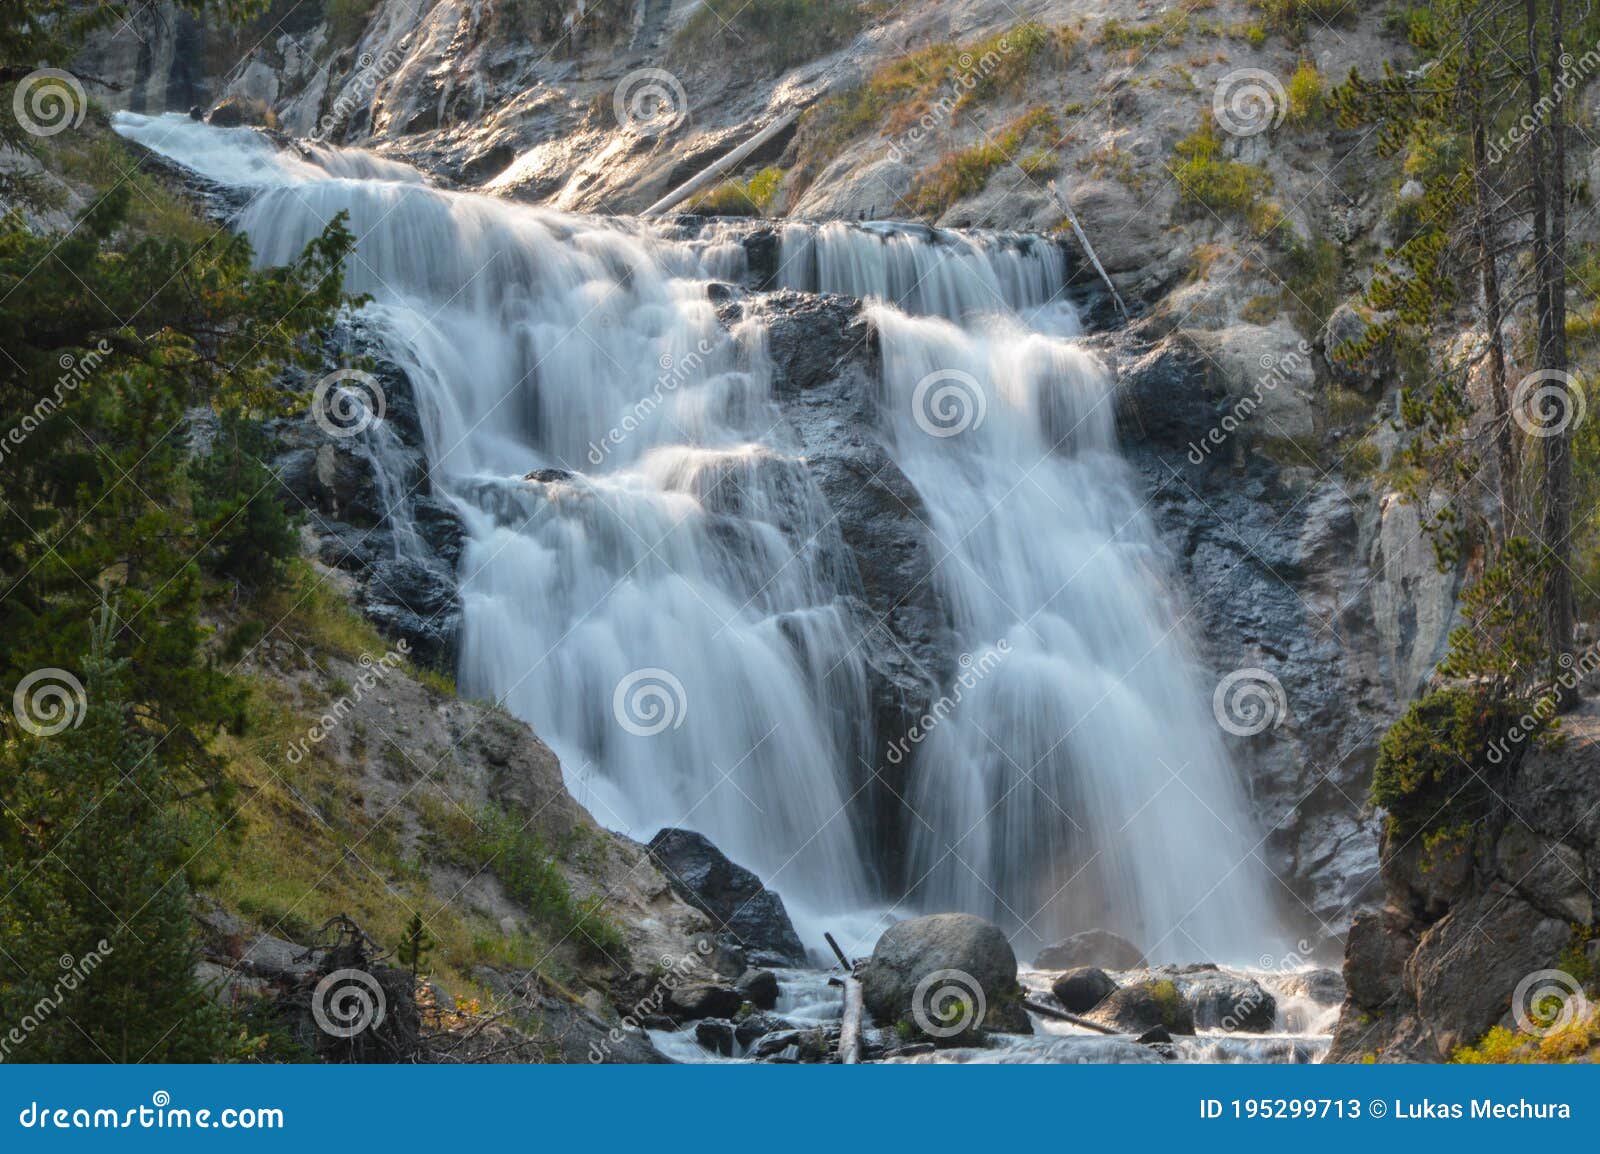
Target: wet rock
(1230, 1002)
(716, 1035)
(813, 1045)
(759, 987)
(1142, 1006)
(940, 971)
(549, 476)
(730, 894)
(1082, 989)
(1325, 987)
(758, 1025)
(1091, 948)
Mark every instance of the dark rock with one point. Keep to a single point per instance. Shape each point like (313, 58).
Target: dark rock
(1167, 393)
(1142, 1006)
(696, 1000)
(946, 972)
(1226, 1002)
(1156, 1035)
(549, 476)
(1091, 948)
(758, 1025)
(236, 111)
(760, 988)
(1081, 990)
(813, 1045)
(730, 894)
(716, 1035)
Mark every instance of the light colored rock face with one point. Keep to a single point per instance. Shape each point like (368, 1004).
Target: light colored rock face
(1414, 604)
(1270, 368)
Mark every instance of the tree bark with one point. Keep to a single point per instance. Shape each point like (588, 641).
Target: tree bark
(1486, 228)
(1558, 432)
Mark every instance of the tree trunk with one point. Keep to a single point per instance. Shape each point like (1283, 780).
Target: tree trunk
(1486, 228)
(1557, 428)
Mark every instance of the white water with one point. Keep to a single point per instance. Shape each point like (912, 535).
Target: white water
(669, 616)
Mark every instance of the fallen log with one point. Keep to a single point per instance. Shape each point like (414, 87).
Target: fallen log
(1063, 1015)
(850, 1027)
(1083, 239)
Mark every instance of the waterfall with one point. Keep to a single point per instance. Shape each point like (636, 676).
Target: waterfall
(653, 581)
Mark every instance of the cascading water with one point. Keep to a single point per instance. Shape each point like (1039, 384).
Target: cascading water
(1081, 782)
(654, 582)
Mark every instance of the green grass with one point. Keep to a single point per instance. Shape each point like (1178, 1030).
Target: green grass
(932, 86)
(1225, 187)
(963, 173)
(751, 197)
(533, 877)
(1307, 96)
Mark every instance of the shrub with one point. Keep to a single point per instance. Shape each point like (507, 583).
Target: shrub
(1225, 187)
(530, 873)
(1308, 96)
(1434, 767)
(752, 197)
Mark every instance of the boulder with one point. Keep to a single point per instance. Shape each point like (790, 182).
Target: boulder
(950, 976)
(759, 987)
(1230, 1002)
(697, 1000)
(1091, 948)
(703, 876)
(1143, 1006)
(716, 1035)
(1366, 372)
(1082, 989)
